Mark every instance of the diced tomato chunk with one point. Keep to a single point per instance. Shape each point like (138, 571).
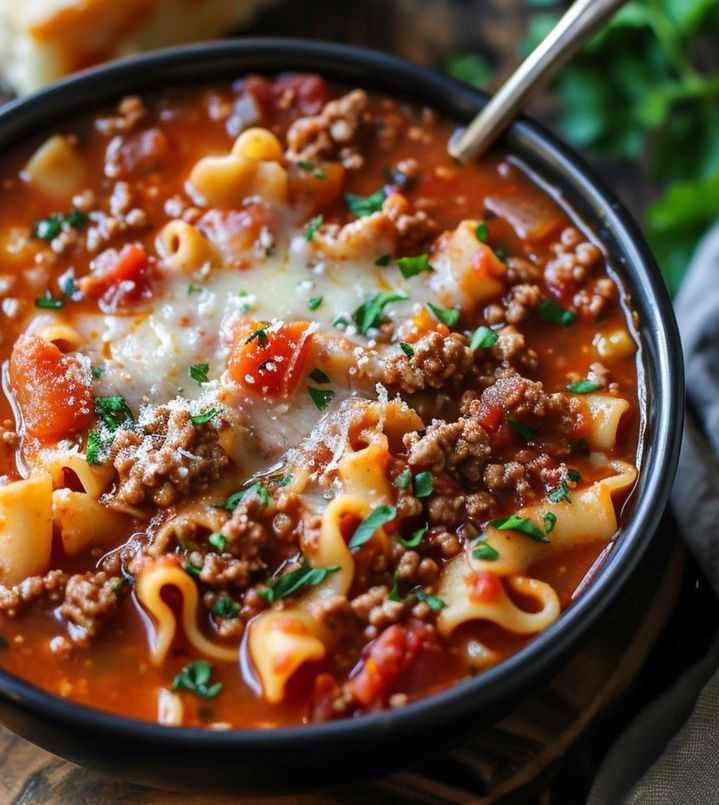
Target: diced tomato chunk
(53, 391)
(389, 656)
(120, 278)
(278, 102)
(490, 417)
(270, 360)
(234, 232)
(484, 585)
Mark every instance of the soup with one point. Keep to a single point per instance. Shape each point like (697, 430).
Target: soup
(301, 420)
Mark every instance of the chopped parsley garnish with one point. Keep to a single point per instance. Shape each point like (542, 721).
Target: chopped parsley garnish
(486, 552)
(369, 313)
(340, 322)
(366, 529)
(48, 302)
(113, 411)
(98, 371)
(313, 226)
(306, 165)
(259, 335)
(522, 524)
(404, 479)
(481, 231)
(549, 520)
(448, 316)
(483, 338)
(285, 480)
(411, 266)
(245, 307)
(383, 261)
(314, 302)
(501, 255)
(319, 376)
(423, 484)
(414, 540)
(552, 313)
(206, 416)
(583, 387)
(233, 500)
(393, 594)
(49, 228)
(407, 349)
(321, 397)
(289, 583)
(361, 206)
(225, 607)
(121, 587)
(191, 570)
(434, 603)
(563, 491)
(194, 678)
(521, 429)
(198, 372)
(218, 541)
(193, 289)
(68, 287)
(93, 447)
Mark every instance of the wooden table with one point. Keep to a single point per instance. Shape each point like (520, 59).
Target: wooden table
(545, 734)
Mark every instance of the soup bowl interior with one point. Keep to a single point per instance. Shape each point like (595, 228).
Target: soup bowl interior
(291, 759)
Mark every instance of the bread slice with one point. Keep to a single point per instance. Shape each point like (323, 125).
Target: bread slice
(42, 40)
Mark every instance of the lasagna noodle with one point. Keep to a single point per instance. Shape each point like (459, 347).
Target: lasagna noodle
(84, 523)
(150, 583)
(252, 168)
(182, 247)
(280, 642)
(589, 517)
(25, 528)
(605, 414)
(58, 462)
(55, 170)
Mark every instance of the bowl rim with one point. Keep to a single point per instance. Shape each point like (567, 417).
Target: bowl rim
(100, 85)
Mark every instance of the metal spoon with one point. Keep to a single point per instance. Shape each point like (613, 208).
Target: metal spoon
(584, 19)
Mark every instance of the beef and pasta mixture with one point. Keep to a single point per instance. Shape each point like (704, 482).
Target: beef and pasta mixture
(301, 420)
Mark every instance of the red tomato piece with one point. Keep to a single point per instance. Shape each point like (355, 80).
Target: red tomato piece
(234, 232)
(490, 417)
(53, 391)
(484, 585)
(270, 361)
(277, 102)
(389, 656)
(121, 278)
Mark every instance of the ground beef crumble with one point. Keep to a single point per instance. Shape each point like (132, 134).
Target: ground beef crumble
(90, 599)
(436, 360)
(415, 229)
(461, 446)
(170, 459)
(49, 587)
(334, 134)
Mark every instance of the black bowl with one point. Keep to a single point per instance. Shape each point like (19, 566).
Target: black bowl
(284, 760)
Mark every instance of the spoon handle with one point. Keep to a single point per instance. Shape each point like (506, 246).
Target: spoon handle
(583, 19)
